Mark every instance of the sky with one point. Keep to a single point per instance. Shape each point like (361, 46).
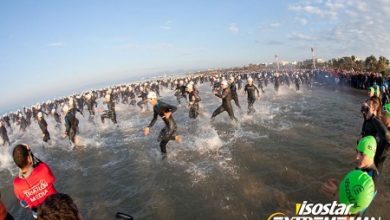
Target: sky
(51, 48)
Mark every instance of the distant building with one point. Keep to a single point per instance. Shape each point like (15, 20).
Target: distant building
(320, 60)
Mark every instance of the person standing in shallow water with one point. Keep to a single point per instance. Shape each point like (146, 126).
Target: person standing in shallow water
(165, 111)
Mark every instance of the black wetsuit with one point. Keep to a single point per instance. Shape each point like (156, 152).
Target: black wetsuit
(183, 91)
(80, 103)
(297, 83)
(72, 124)
(260, 84)
(385, 98)
(180, 93)
(376, 128)
(91, 104)
(144, 100)
(381, 153)
(194, 100)
(251, 91)
(6, 119)
(371, 171)
(169, 131)
(226, 104)
(287, 79)
(276, 83)
(57, 118)
(28, 116)
(155, 88)
(132, 97)
(4, 135)
(239, 84)
(43, 126)
(216, 86)
(23, 124)
(110, 112)
(233, 90)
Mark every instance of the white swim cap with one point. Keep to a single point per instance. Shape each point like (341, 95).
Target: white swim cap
(65, 108)
(152, 95)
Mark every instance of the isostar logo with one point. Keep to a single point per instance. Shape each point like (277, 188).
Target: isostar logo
(319, 211)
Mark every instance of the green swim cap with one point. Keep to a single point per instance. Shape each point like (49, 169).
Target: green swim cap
(371, 89)
(367, 146)
(357, 188)
(387, 109)
(377, 91)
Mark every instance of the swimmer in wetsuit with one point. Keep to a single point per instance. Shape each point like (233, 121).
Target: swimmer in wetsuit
(251, 90)
(71, 123)
(144, 99)
(226, 102)
(110, 112)
(233, 90)
(43, 126)
(165, 111)
(91, 104)
(194, 99)
(3, 133)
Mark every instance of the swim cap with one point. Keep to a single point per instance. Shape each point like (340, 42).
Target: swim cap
(371, 89)
(70, 103)
(224, 83)
(377, 91)
(387, 109)
(40, 115)
(367, 146)
(250, 79)
(190, 86)
(357, 188)
(65, 108)
(152, 95)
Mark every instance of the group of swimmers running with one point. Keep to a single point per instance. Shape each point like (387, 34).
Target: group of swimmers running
(224, 85)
